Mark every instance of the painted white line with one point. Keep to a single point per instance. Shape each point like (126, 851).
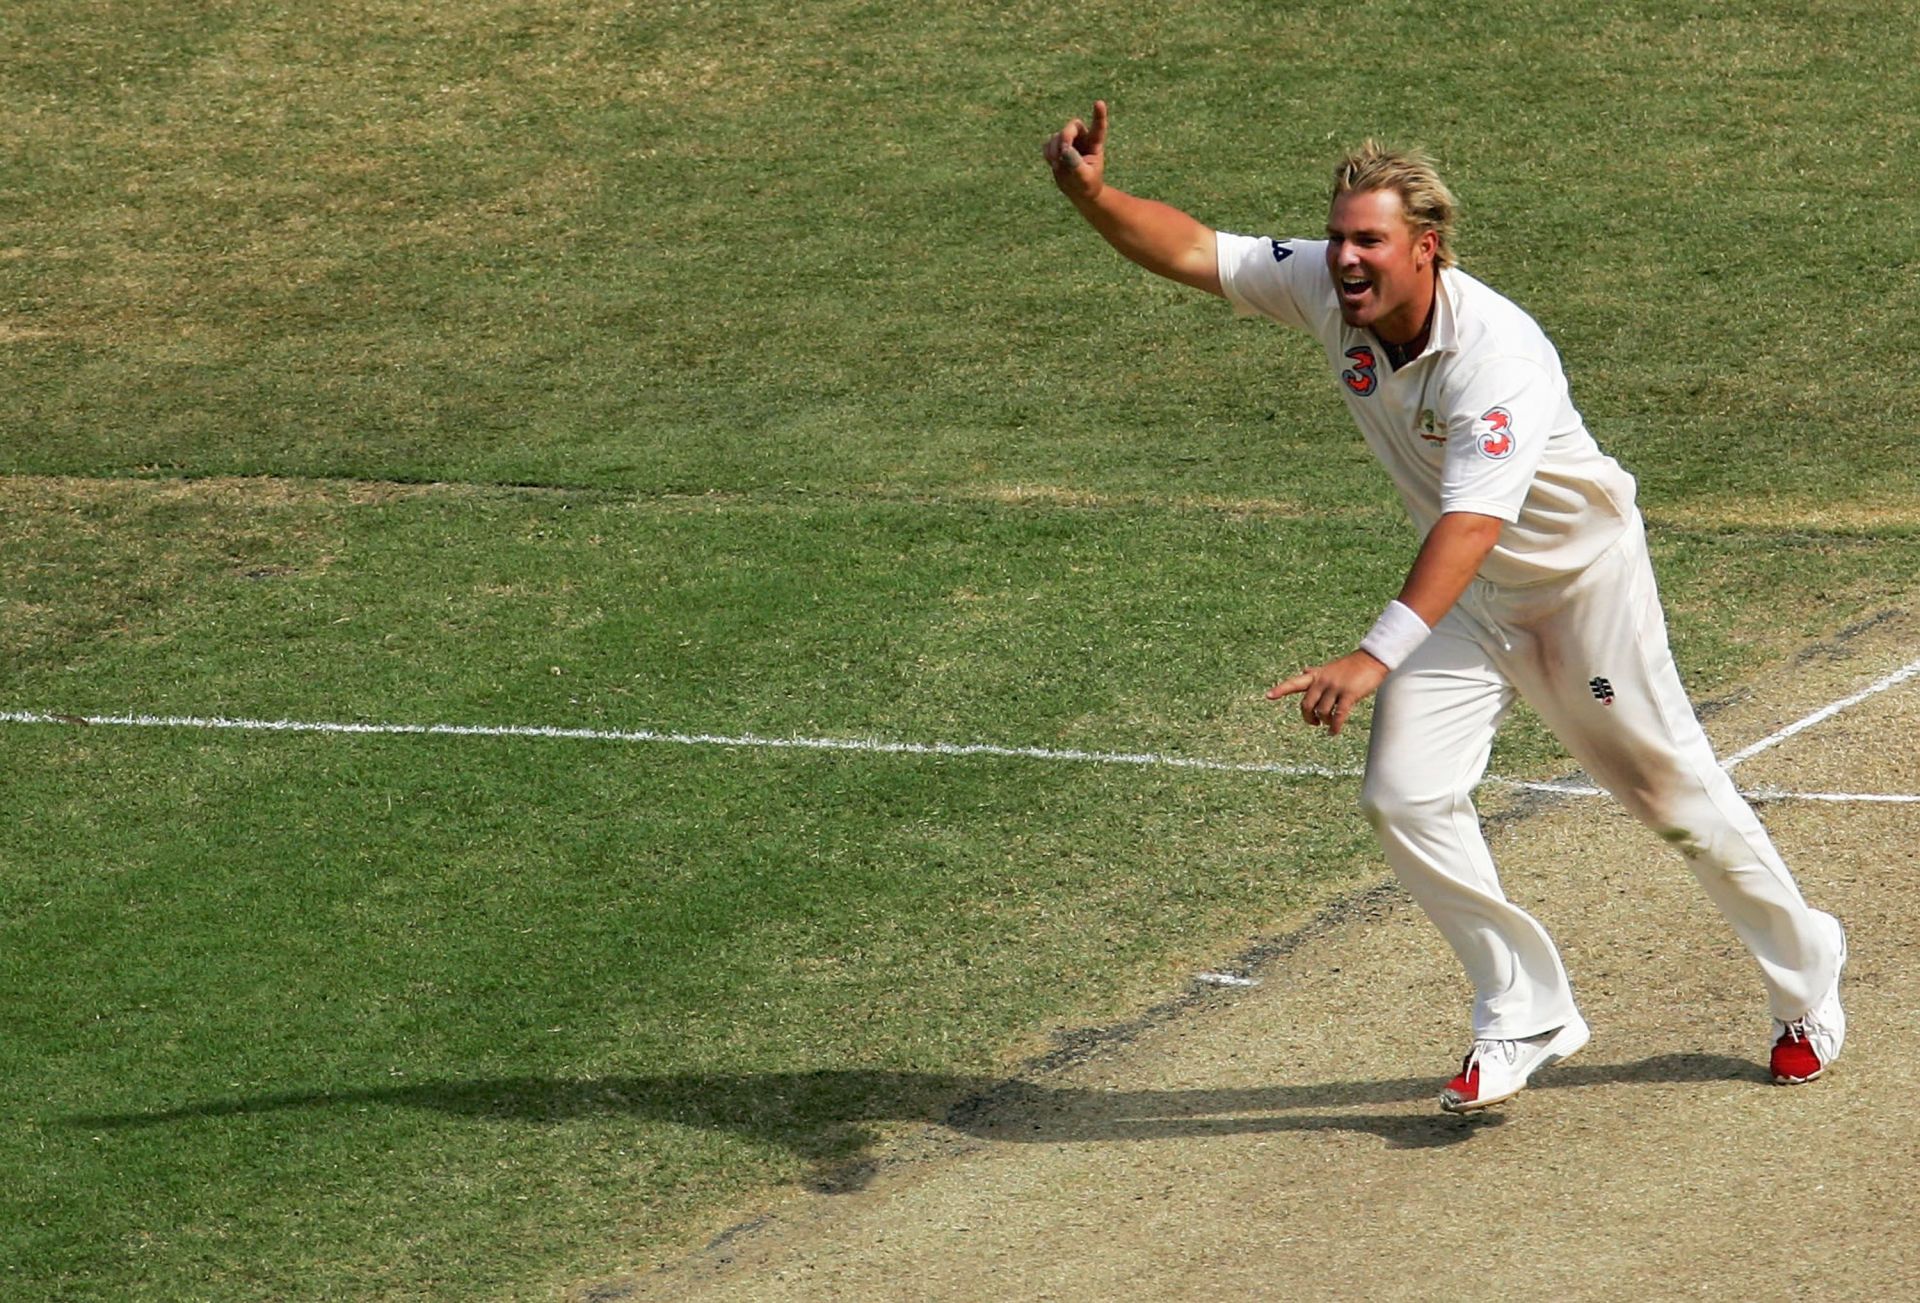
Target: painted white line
(1886, 798)
(1825, 712)
(873, 745)
(1557, 788)
(880, 746)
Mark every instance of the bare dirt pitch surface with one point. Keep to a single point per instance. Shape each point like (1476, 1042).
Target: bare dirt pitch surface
(1283, 1142)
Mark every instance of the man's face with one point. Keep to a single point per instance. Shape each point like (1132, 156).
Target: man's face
(1382, 271)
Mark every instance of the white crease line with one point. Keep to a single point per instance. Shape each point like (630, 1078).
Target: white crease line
(882, 747)
(1825, 712)
(872, 745)
(1557, 788)
(1776, 794)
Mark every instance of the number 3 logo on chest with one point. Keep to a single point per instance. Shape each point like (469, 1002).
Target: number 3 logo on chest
(1360, 378)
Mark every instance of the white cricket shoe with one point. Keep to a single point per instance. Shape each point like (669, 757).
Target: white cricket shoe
(1803, 1048)
(1494, 1071)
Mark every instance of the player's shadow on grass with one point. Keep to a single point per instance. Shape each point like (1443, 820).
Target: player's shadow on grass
(826, 1117)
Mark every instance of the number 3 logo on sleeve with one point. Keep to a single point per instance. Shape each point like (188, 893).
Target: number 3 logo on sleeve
(1493, 434)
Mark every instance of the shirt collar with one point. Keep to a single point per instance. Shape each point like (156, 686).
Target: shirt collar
(1445, 337)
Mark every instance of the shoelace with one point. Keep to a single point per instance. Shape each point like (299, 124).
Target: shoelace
(1508, 1050)
(1796, 1030)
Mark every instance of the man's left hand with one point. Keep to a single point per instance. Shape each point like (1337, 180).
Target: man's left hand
(1328, 693)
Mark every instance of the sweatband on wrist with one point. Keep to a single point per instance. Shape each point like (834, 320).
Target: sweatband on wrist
(1394, 635)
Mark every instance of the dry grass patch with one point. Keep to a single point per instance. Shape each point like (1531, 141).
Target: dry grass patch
(88, 558)
(1079, 499)
(1867, 514)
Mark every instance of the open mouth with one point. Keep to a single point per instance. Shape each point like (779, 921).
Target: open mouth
(1354, 288)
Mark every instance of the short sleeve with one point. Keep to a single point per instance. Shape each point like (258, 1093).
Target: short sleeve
(1272, 278)
(1497, 430)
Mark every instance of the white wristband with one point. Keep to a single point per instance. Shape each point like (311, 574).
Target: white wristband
(1394, 635)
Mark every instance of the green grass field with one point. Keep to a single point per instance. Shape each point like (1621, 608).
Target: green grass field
(727, 369)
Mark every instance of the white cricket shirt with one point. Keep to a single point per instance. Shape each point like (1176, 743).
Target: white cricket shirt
(1481, 421)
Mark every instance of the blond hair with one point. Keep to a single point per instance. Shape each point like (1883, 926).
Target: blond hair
(1424, 197)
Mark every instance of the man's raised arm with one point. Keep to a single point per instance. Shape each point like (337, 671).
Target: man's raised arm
(1158, 236)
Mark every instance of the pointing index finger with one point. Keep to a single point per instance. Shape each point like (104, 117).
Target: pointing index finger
(1298, 683)
(1098, 136)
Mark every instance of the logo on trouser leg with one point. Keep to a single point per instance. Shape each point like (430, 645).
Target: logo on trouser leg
(1602, 691)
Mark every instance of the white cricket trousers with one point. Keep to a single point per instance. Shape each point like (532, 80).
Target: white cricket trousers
(1590, 654)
